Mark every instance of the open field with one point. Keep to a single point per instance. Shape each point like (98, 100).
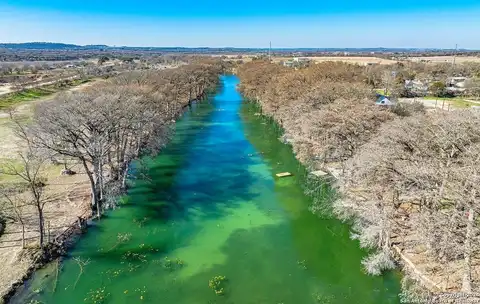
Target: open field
(446, 59)
(443, 103)
(348, 59)
(34, 93)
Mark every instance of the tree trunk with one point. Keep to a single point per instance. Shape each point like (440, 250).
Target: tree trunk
(23, 235)
(93, 188)
(100, 178)
(467, 272)
(40, 226)
(124, 179)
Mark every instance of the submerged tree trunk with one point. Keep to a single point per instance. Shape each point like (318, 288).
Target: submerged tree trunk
(467, 272)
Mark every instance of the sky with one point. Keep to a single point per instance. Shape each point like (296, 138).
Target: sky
(247, 23)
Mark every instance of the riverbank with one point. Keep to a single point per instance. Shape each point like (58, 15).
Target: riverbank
(69, 199)
(415, 264)
(208, 210)
(383, 168)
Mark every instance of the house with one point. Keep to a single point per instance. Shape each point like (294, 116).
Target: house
(301, 60)
(296, 62)
(416, 87)
(456, 85)
(458, 82)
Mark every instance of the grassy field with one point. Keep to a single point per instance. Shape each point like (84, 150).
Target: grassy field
(446, 59)
(455, 101)
(34, 93)
(347, 59)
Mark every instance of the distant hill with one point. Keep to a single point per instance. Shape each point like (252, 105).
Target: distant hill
(50, 46)
(64, 46)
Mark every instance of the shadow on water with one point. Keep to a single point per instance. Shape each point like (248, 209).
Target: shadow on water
(208, 206)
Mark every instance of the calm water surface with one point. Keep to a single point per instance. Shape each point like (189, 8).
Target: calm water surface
(228, 216)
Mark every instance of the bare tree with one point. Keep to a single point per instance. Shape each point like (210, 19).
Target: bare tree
(12, 204)
(31, 187)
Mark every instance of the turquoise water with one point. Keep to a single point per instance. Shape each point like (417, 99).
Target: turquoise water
(209, 205)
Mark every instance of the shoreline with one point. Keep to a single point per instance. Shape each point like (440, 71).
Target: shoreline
(404, 263)
(68, 238)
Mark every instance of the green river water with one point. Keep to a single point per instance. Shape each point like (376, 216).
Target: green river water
(227, 215)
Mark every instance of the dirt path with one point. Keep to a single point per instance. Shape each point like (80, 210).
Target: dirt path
(27, 107)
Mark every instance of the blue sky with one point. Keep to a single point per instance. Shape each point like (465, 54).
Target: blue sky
(249, 23)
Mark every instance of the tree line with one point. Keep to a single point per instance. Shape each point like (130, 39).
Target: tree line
(407, 177)
(103, 128)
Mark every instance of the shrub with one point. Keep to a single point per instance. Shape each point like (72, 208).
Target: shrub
(376, 263)
(408, 109)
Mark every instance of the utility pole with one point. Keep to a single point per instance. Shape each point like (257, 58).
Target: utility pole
(270, 52)
(454, 57)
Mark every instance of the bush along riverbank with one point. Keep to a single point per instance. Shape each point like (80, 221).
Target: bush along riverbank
(101, 130)
(407, 179)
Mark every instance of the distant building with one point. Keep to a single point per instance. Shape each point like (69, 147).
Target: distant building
(456, 85)
(296, 62)
(416, 86)
(288, 63)
(458, 82)
(300, 59)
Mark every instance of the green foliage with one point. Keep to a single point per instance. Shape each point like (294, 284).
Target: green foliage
(438, 89)
(217, 283)
(25, 95)
(36, 93)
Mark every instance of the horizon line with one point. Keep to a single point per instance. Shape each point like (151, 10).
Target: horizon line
(237, 47)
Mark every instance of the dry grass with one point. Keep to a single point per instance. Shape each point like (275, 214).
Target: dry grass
(446, 59)
(347, 59)
(70, 199)
(69, 195)
(445, 277)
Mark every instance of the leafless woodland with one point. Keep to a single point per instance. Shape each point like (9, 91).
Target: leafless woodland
(101, 129)
(408, 179)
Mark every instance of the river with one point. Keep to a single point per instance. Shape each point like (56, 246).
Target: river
(210, 205)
